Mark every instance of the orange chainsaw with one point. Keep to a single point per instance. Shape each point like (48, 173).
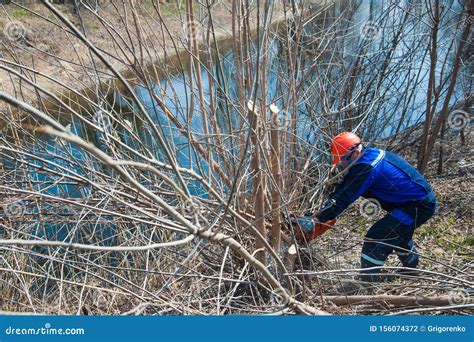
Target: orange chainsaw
(308, 227)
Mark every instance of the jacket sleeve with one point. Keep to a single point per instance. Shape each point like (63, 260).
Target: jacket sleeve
(359, 178)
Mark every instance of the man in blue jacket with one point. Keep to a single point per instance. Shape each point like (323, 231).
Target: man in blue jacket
(399, 188)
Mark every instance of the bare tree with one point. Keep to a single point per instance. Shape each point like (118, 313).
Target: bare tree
(152, 168)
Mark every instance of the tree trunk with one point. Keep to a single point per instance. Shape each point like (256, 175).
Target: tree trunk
(444, 111)
(276, 173)
(258, 183)
(392, 300)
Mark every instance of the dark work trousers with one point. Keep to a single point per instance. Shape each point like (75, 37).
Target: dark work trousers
(393, 233)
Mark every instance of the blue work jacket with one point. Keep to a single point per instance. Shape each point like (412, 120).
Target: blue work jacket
(378, 174)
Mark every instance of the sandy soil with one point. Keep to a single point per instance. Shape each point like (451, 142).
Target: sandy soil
(46, 46)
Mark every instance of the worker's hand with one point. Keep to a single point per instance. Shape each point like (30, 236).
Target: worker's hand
(308, 228)
(321, 227)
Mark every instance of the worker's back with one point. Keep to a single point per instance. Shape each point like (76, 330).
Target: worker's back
(394, 180)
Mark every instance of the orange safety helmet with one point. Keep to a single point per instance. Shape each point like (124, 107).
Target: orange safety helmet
(341, 144)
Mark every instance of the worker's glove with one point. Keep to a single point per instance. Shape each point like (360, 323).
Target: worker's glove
(308, 227)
